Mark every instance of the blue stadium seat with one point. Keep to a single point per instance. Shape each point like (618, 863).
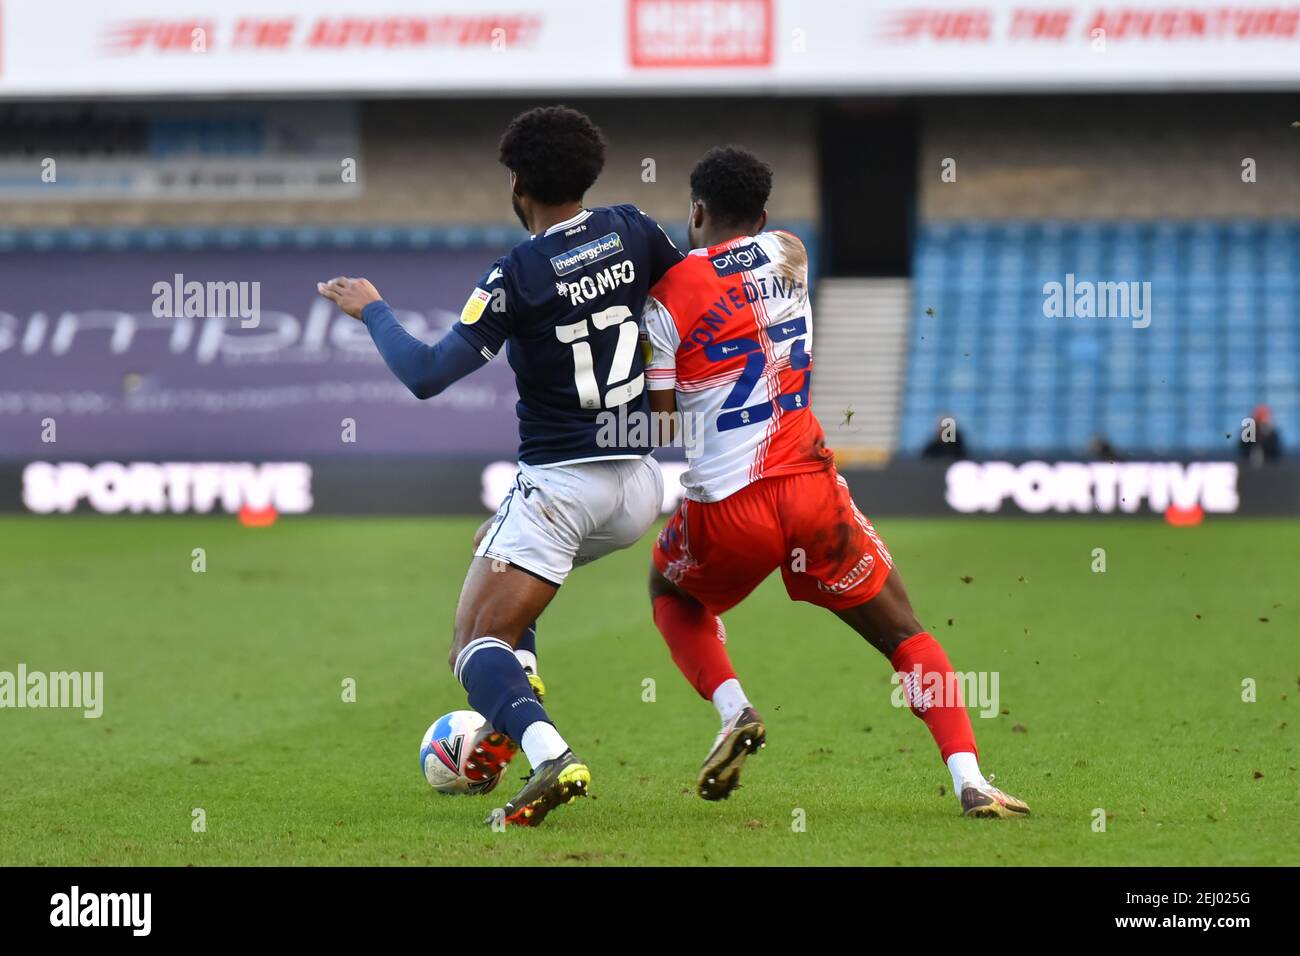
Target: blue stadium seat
(1224, 336)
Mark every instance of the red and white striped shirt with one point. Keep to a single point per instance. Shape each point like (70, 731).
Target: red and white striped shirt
(730, 328)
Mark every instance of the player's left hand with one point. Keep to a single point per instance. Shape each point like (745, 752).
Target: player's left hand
(350, 295)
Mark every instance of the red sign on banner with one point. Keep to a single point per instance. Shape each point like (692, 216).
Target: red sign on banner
(700, 33)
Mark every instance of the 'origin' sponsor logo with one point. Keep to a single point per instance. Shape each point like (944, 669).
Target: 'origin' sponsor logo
(740, 259)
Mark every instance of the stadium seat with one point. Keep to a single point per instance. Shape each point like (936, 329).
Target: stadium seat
(1224, 336)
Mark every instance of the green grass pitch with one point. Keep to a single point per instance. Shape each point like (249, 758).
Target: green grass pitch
(223, 692)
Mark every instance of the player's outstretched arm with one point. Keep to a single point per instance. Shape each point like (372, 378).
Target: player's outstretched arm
(425, 369)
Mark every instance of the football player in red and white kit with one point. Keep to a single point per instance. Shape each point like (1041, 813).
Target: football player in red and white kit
(730, 329)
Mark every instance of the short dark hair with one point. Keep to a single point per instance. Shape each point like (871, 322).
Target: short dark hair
(555, 152)
(733, 184)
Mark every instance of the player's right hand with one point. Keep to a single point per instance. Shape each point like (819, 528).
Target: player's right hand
(350, 295)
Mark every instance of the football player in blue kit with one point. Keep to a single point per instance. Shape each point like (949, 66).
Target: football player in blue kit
(566, 305)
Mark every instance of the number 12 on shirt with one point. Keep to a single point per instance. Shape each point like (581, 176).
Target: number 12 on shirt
(578, 336)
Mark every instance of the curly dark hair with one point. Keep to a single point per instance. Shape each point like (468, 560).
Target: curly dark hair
(555, 152)
(733, 184)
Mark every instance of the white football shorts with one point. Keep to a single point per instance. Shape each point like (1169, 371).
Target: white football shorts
(559, 516)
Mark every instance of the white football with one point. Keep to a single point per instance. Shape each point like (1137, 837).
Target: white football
(460, 753)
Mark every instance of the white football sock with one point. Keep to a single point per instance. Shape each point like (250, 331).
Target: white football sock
(730, 699)
(965, 770)
(542, 742)
(527, 660)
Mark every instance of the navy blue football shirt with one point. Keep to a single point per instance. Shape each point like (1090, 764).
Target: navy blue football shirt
(567, 306)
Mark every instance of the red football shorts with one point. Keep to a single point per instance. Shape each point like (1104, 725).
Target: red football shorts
(805, 524)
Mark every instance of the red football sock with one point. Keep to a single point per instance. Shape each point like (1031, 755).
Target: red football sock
(947, 719)
(695, 640)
